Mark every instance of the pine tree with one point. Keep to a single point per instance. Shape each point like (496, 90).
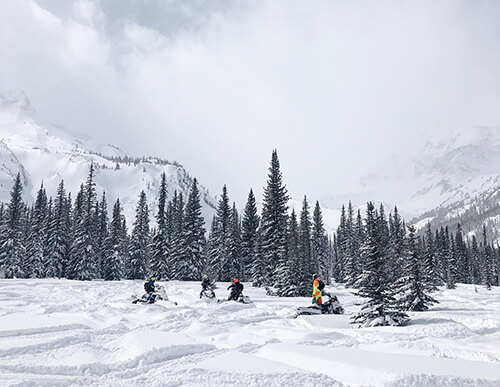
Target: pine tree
(113, 267)
(160, 246)
(430, 264)
(12, 247)
(289, 275)
(341, 247)
(249, 226)
(274, 219)
(84, 247)
(235, 242)
(36, 238)
(178, 248)
(487, 261)
(58, 242)
(319, 245)
(102, 232)
(194, 234)
(414, 285)
(139, 243)
(372, 285)
(307, 265)
(222, 265)
(396, 246)
(451, 260)
(476, 261)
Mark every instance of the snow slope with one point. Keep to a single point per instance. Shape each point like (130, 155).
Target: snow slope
(60, 332)
(41, 155)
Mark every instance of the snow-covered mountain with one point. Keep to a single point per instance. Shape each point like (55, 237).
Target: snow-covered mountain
(49, 155)
(453, 178)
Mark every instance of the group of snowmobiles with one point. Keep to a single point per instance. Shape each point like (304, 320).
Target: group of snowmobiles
(155, 292)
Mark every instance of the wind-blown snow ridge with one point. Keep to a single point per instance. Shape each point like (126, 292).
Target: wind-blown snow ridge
(42, 156)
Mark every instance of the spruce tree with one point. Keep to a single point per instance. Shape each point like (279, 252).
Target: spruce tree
(487, 261)
(289, 275)
(221, 267)
(84, 247)
(36, 238)
(113, 267)
(160, 246)
(274, 219)
(178, 248)
(396, 246)
(235, 242)
(58, 242)
(194, 234)
(451, 260)
(319, 245)
(139, 243)
(413, 286)
(12, 243)
(372, 284)
(249, 226)
(307, 265)
(430, 265)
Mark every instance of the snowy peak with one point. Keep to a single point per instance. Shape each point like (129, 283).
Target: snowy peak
(51, 155)
(466, 154)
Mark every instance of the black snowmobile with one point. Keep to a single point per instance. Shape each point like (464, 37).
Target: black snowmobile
(236, 293)
(159, 294)
(207, 293)
(332, 306)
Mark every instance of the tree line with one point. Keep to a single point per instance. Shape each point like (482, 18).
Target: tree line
(376, 254)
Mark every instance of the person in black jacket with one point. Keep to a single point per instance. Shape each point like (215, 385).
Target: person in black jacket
(236, 289)
(206, 286)
(149, 287)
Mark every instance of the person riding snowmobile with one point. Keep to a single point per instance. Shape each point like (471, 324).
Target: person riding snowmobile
(318, 286)
(206, 285)
(149, 287)
(236, 289)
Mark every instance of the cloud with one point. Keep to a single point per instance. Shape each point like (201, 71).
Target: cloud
(334, 86)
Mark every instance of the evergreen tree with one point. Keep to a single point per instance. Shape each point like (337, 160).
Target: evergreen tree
(58, 242)
(84, 248)
(194, 234)
(113, 267)
(249, 226)
(396, 247)
(102, 232)
(289, 275)
(319, 244)
(476, 261)
(178, 248)
(274, 219)
(351, 270)
(160, 247)
(139, 243)
(372, 285)
(307, 265)
(35, 266)
(430, 265)
(451, 260)
(413, 285)
(235, 242)
(221, 266)
(11, 241)
(487, 261)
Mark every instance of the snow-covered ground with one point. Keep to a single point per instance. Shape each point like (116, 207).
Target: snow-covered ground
(59, 332)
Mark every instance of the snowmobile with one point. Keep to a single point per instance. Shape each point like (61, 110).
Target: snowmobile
(157, 295)
(207, 293)
(332, 306)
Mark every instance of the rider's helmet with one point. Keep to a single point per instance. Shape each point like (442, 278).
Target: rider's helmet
(152, 279)
(205, 277)
(315, 275)
(235, 280)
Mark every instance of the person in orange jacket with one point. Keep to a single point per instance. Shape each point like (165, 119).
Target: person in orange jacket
(318, 287)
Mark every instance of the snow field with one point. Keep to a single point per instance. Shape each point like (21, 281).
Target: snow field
(60, 332)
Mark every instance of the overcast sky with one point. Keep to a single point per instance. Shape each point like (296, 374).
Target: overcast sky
(217, 85)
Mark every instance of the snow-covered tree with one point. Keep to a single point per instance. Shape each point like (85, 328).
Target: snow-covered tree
(160, 246)
(140, 240)
(249, 226)
(378, 309)
(274, 218)
(12, 244)
(413, 286)
(319, 245)
(113, 262)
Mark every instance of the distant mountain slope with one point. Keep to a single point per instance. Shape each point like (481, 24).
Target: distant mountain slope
(40, 155)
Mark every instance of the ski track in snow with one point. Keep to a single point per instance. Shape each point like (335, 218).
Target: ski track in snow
(60, 332)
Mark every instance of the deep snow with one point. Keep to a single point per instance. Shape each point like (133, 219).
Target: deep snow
(59, 332)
